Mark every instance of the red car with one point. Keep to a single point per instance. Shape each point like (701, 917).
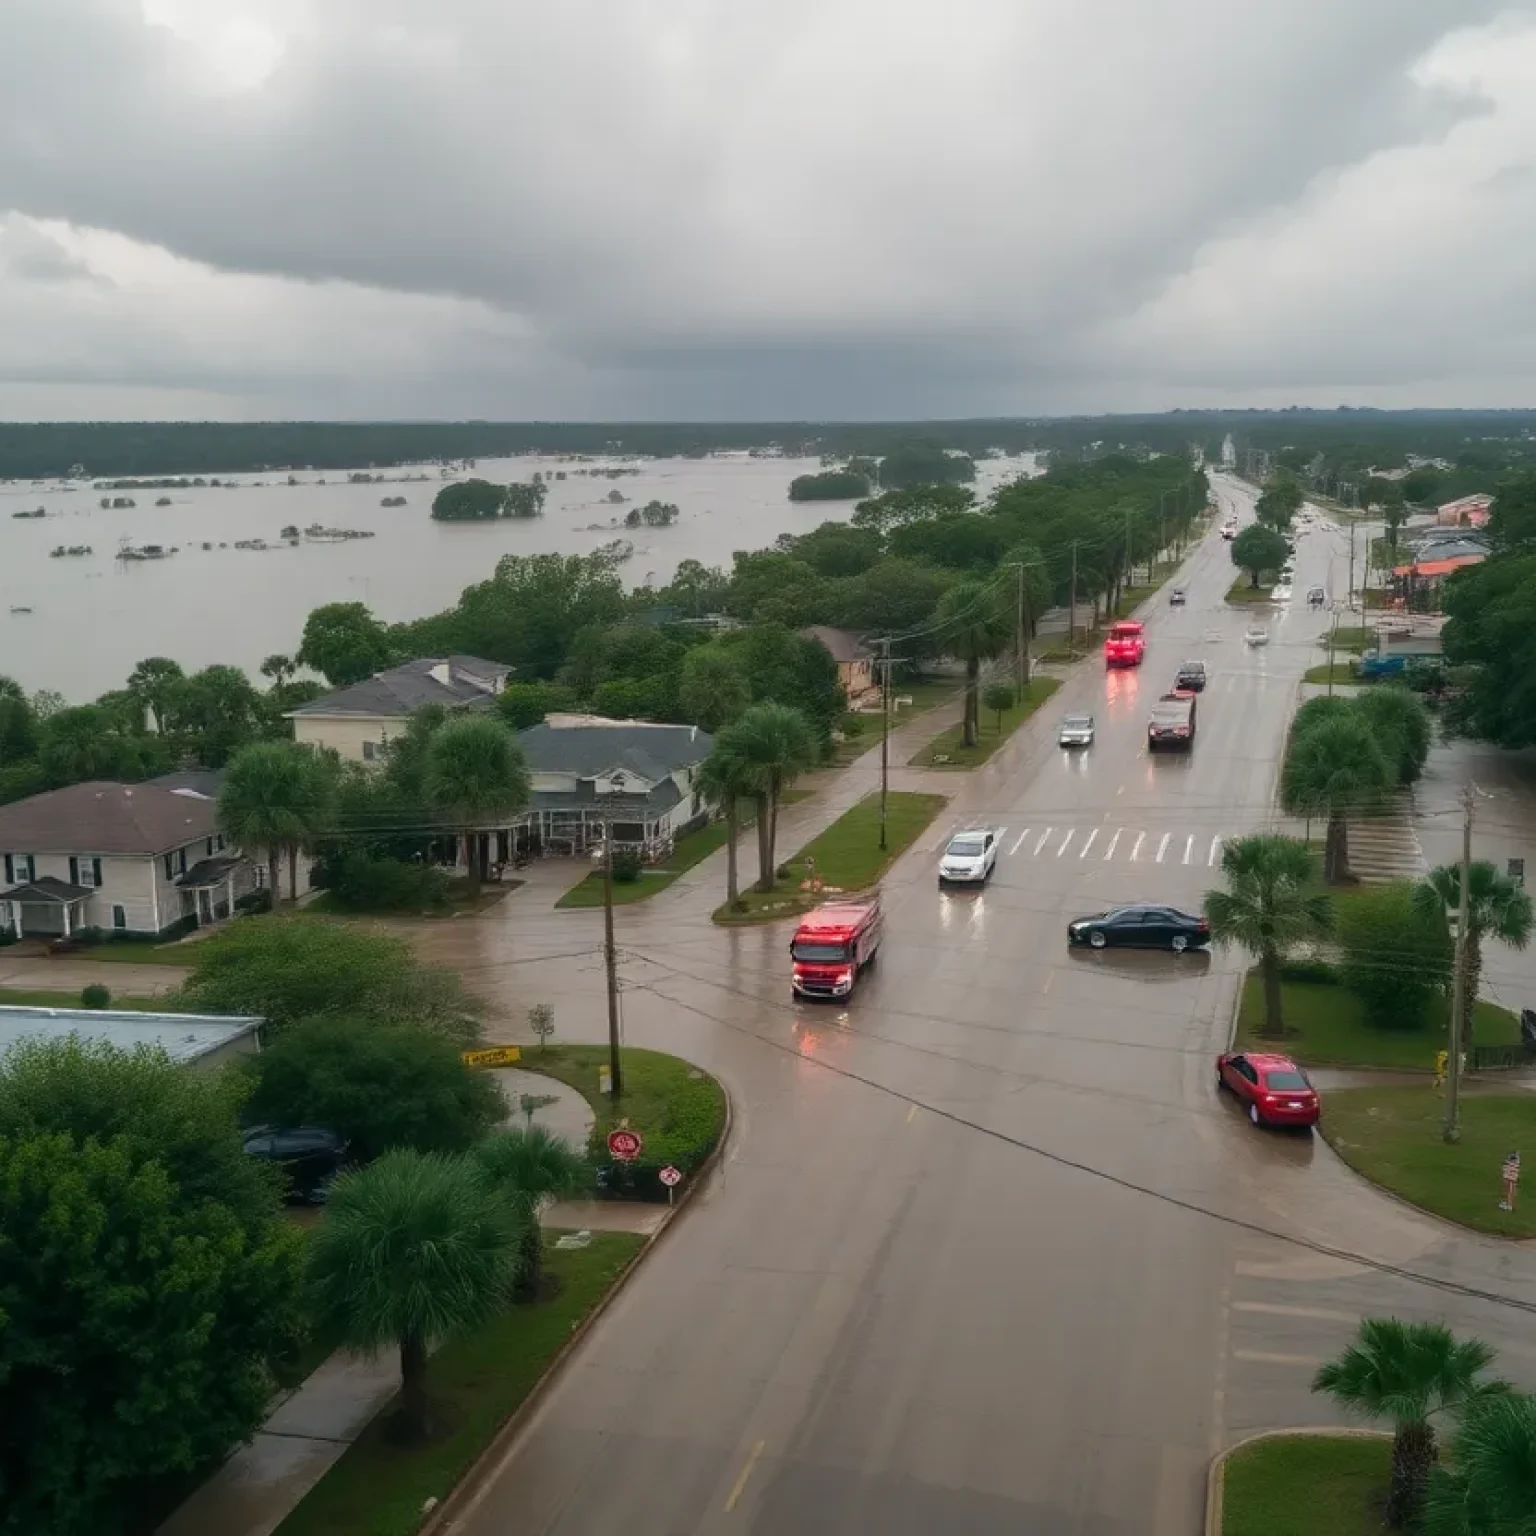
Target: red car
(1273, 1088)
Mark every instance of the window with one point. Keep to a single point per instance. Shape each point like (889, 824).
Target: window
(819, 954)
(208, 848)
(119, 917)
(85, 870)
(218, 842)
(19, 869)
(175, 863)
(1287, 1082)
(370, 751)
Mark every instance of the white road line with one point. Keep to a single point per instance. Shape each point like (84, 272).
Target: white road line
(1071, 833)
(1215, 852)
(1264, 1357)
(1274, 1309)
(1189, 846)
(1162, 847)
(1040, 843)
(1141, 837)
(1109, 852)
(1001, 833)
(1082, 852)
(1022, 836)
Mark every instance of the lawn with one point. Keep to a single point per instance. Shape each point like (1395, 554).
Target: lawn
(1392, 1136)
(20, 997)
(1306, 1485)
(482, 1377)
(946, 750)
(1243, 591)
(1325, 1027)
(847, 855)
(457, 902)
(134, 952)
(1339, 672)
(676, 1107)
(1350, 637)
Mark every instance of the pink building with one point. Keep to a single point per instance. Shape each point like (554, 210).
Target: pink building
(1465, 512)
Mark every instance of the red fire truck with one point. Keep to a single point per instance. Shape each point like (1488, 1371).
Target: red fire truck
(1125, 645)
(833, 944)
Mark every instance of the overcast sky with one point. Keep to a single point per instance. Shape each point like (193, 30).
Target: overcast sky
(762, 208)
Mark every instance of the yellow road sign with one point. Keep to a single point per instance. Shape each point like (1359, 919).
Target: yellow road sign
(493, 1056)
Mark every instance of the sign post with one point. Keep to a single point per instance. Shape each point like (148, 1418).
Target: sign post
(1510, 1173)
(671, 1177)
(624, 1145)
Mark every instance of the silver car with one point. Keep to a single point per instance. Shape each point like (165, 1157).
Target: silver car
(1076, 731)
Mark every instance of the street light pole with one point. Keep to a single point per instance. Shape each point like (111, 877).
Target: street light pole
(1461, 1004)
(611, 960)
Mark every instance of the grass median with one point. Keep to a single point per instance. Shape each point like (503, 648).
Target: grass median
(480, 1378)
(847, 856)
(1243, 591)
(1325, 1026)
(1394, 1137)
(947, 749)
(1339, 672)
(23, 997)
(1306, 1485)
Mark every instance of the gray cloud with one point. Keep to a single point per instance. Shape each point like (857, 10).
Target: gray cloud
(808, 207)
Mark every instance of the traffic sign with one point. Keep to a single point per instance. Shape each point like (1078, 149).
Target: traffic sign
(625, 1145)
(492, 1056)
(670, 1176)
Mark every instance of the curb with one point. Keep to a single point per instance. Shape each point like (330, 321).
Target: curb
(1215, 1480)
(461, 1499)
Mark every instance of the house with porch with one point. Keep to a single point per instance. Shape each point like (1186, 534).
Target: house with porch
(360, 721)
(137, 859)
(586, 768)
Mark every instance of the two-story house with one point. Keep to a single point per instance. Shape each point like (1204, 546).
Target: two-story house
(586, 768)
(134, 858)
(360, 721)
(855, 662)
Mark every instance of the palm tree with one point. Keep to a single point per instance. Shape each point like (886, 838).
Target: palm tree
(774, 745)
(1407, 1373)
(1333, 770)
(275, 795)
(726, 779)
(530, 1165)
(475, 772)
(414, 1248)
(1492, 1489)
(1268, 908)
(975, 628)
(1497, 908)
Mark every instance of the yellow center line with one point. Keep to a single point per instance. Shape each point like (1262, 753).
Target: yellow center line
(746, 1472)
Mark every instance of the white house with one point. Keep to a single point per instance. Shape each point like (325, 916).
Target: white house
(586, 768)
(358, 722)
(134, 858)
(196, 1040)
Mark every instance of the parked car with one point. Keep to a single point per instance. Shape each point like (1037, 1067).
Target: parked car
(969, 859)
(1076, 731)
(1256, 634)
(1273, 1089)
(1141, 927)
(310, 1157)
(1229, 530)
(1176, 597)
(1191, 677)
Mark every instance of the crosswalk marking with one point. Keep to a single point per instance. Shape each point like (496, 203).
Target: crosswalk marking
(1071, 831)
(1264, 1357)
(1109, 843)
(1189, 846)
(1083, 851)
(1109, 852)
(1021, 837)
(1141, 837)
(1043, 836)
(1215, 852)
(1275, 1309)
(1162, 847)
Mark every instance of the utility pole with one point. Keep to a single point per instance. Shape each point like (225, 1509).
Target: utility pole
(1333, 630)
(885, 731)
(611, 960)
(1130, 572)
(1350, 594)
(1022, 643)
(1072, 606)
(1461, 1004)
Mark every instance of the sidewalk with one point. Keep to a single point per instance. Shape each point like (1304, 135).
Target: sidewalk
(309, 1428)
(64, 974)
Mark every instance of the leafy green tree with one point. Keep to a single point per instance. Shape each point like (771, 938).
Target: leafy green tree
(829, 485)
(287, 969)
(279, 668)
(1393, 956)
(959, 541)
(695, 589)
(1497, 908)
(1489, 1489)
(975, 628)
(526, 704)
(476, 774)
(146, 1277)
(1401, 725)
(214, 713)
(467, 500)
(381, 1085)
(84, 743)
(1258, 549)
(524, 500)
(153, 682)
(999, 698)
(833, 549)
(530, 1165)
(892, 508)
(892, 597)
(1491, 632)
(769, 586)
(276, 796)
(413, 1249)
(713, 688)
(1407, 1374)
(1512, 518)
(726, 779)
(785, 668)
(774, 745)
(1268, 908)
(345, 643)
(18, 725)
(1335, 770)
(1279, 502)
(924, 462)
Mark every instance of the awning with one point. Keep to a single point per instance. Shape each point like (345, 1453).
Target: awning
(207, 872)
(47, 890)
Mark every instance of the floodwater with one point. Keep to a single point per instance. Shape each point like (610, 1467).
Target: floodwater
(93, 616)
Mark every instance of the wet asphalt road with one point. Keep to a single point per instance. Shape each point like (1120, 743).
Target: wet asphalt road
(962, 1269)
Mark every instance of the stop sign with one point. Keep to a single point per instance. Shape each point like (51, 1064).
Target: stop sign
(624, 1145)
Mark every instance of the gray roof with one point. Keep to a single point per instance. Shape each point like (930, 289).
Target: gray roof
(624, 807)
(652, 751)
(182, 1036)
(100, 817)
(34, 893)
(844, 645)
(208, 872)
(404, 689)
(196, 781)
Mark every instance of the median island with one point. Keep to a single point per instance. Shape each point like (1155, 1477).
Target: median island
(1000, 714)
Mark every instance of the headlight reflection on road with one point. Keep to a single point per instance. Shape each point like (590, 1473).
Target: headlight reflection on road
(1120, 690)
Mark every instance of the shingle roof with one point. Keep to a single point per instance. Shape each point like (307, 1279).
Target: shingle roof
(843, 644)
(105, 818)
(624, 807)
(653, 751)
(48, 888)
(197, 781)
(404, 689)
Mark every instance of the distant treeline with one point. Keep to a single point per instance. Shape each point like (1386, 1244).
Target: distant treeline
(45, 450)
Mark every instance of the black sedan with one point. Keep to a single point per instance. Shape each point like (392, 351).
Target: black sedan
(310, 1157)
(1141, 928)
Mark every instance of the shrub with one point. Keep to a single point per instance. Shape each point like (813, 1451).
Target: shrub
(363, 883)
(95, 996)
(626, 866)
(1395, 959)
(7, 936)
(255, 902)
(1400, 722)
(1316, 973)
